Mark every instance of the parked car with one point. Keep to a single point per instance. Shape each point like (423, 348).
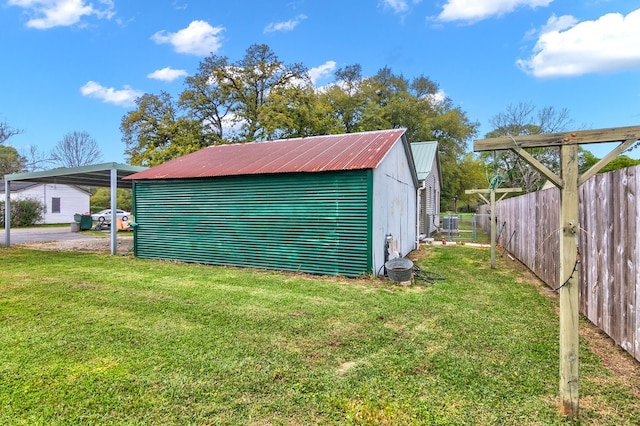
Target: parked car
(105, 215)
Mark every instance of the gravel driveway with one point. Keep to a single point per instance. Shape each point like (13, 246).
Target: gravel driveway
(61, 238)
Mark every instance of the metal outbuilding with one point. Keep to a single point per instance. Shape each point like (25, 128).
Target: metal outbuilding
(332, 205)
(427, 161)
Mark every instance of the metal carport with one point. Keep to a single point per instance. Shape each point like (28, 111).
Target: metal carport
(104, 175)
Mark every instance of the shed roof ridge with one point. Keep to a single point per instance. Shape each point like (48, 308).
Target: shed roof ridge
(347, 151)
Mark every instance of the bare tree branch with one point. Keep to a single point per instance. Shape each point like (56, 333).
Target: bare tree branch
(523, 119)
(76, 149)
(34, 159)
(6, 131)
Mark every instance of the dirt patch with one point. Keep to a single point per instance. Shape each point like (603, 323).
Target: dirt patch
(613, 356)
(419, 254)
(89, 244)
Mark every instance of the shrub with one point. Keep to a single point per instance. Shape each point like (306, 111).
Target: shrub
(24, 212)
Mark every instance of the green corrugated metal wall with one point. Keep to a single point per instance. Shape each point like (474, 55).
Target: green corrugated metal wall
(310, 222)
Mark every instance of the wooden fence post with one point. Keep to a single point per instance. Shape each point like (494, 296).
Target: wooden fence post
(568, 183)
(569, 271)
(492, 212)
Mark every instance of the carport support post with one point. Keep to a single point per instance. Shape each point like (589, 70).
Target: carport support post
(114, 200)
(7, 213)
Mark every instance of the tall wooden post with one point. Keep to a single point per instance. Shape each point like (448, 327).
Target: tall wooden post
(568, 183)
(569, 309)
(492, 218)
(492, 213)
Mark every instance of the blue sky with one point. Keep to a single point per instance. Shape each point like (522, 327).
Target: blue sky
(78, 65)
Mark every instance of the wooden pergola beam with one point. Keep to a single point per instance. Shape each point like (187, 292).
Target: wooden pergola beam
(616, 134)
(533, 162)
(606, 160)
(487, 191)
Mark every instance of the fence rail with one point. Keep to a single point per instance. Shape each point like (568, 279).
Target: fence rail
(608, 244)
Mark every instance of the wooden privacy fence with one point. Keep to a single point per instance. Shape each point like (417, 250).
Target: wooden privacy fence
(608, 244)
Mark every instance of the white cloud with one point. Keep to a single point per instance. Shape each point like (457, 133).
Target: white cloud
(399, 6)
(437, 98)
(567, 47)
(199, 39)
(560, 23)
(284, 26)
(62, 13)
(125, 97)
(477, 10)
(321, 71)
(167, 74)
(179, 5)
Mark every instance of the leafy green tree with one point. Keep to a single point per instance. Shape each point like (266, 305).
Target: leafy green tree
(345, 100)
(292, 112)
(241, 91)
(205, 102)
(452, 129)
(255, 98)
(259, 97)
(470, 174)
(158, 131)
(620, 162)
(387, 100)
(11, 161)
(101, 199)
(586, 159)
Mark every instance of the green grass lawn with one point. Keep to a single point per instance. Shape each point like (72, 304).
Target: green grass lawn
(97, 339)
(465, 223)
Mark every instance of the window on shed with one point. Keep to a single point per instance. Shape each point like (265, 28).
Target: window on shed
(55, 205)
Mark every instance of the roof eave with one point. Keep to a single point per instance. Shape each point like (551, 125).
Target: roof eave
(412, 164)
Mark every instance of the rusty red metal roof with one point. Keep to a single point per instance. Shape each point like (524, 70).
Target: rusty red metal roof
(350, 151)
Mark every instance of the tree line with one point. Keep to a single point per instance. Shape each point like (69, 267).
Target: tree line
(258, 97)
(261, 98)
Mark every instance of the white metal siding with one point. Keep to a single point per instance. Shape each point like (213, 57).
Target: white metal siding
(394, 205)
(72, 200)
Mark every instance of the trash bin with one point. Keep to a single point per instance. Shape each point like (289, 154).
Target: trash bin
(85, 222)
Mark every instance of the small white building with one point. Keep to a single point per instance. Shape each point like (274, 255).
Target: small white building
(427, 162)
(61, 202)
